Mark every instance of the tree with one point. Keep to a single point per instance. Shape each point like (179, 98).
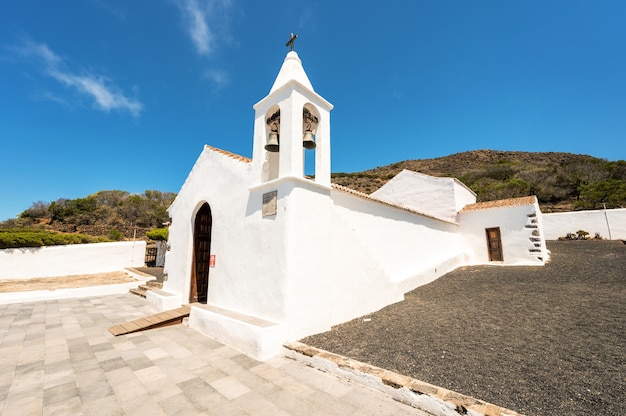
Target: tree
(611, 192)
(37, 210)
(574, 175)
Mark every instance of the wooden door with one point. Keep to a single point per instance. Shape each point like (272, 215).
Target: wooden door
(201, 254)
(494, 244)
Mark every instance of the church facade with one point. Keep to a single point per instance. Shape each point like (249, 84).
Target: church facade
(265, 255)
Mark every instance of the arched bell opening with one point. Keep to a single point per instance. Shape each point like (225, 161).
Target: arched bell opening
(272, 143)
(310, 121)
(272, 122)
(200, 266)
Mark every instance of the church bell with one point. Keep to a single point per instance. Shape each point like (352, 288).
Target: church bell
(307, 140)
(309, 124)
(272, 142)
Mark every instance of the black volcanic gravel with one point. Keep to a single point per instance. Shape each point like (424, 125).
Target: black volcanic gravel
(538, 340)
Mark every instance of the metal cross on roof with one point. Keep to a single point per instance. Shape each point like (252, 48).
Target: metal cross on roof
(291, 41)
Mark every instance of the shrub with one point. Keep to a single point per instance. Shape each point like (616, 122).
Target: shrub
(28, 237)
(579, 235)
(116, 235)
(158, 234)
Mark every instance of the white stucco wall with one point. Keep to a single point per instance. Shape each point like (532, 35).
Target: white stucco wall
(325, 256)
(249, 248)
(462, 195)
(434, 196)
(52, 261)
(309, 268)
(380, 252)
(402, 243)
(558, 224)
(516, 229)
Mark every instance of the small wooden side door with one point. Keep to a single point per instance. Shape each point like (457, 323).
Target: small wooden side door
(494, 244)
(201, 253)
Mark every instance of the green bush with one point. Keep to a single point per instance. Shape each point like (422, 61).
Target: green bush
(116, 235)
(28, 237)
(158, 234)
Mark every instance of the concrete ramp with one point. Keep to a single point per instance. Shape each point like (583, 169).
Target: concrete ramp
(171, 317)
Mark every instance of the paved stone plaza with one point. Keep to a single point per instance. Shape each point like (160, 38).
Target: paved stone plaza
(57, 358)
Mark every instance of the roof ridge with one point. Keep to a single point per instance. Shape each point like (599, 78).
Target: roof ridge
(382, 201)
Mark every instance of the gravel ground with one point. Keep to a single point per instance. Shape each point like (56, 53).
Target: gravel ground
(538, 340)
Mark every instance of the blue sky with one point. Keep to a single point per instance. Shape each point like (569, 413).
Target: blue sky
(115, 94)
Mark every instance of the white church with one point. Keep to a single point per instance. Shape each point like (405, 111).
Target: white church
(265, 255)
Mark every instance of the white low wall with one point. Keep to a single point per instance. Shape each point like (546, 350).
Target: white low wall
(52, 261)
(610, 223)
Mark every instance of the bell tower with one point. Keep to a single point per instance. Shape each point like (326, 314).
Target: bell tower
(291, 120)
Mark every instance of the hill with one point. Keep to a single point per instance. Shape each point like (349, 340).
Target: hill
(113, 214)
(561, 181)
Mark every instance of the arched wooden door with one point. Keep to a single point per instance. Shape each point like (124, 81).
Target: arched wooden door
(201, 253)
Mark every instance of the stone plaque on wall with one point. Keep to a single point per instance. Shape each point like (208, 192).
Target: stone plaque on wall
(269, 203)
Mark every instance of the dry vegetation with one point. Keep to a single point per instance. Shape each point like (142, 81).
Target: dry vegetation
(115, 215)
(561, 181)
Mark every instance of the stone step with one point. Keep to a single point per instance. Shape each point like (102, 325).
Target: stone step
(138, 291)
(155, 284)
(143, 288)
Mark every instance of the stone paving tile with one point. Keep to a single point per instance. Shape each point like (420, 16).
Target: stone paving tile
(208, 373)
(162, 388)
(178, 404)
(230, 387)
(58, 378)
(255, 404)
(57, 358)
(60, 393)
(106, 406)
(142, 406)
(70, 406)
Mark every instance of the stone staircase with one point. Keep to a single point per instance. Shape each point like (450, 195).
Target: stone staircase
(535, 237)
(141, 290)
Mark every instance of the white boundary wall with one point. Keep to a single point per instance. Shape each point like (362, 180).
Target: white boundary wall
(558, 224)
(52, 261)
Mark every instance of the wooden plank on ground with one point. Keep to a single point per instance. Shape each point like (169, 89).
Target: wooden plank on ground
(172, 317)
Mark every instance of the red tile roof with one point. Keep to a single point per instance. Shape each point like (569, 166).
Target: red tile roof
(229, 154)
(500, 203)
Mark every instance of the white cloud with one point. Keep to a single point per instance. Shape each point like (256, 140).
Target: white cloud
(106, 95)
(197, 26)
(50, 96)
(305, 18)
(116, 10)
(204, 19)
(220, 78)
